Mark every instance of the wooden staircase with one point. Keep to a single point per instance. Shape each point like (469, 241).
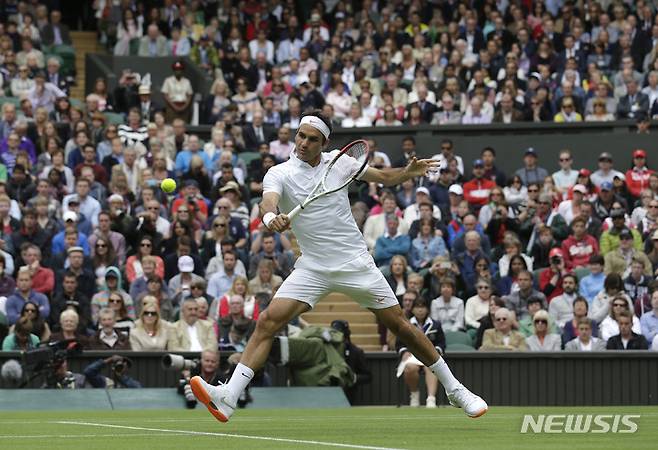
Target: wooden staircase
(84, 42)
(362, 322)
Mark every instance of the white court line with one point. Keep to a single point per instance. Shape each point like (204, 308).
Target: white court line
(70, 436)
(229, 435)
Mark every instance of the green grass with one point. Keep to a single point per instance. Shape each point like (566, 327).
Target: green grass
(389, 427)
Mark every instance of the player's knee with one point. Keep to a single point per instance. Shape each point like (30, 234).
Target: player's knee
(267, 325)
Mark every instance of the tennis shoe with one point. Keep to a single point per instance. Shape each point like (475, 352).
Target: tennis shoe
(473, 405)
(216, 398)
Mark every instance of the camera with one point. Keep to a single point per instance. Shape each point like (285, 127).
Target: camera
(556, 260)
(445, 265)
(178, 362)
(46, 360)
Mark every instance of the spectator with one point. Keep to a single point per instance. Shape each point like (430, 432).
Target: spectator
(23, 294)
(636, 285)
(551, 278)
(107, 338)
(447, 309)
(609, 325)
(634, 104)
(627, 339)
(282, 261)
(265, 281)
(637, 177)
(649, 320)
(585, 342)
(531, 172)
(235, 328)
(397, 277)
(410, 366)
(220, 282)
(182, 282)
(113, 286)
(393, 242)
(177, 92)
(43, 278)
(620, 260)
(542, 340)
(69, 297)
(427, 245)
(151, 333)
(476, 191)
(189, 333)
(22, 338)
(592, 284)
(55, 32)
(606, 172)
(502, 337)
(568, 112)
(478, 305)
(580, 246)
(153, 44)
(69, 328)
(561, 307)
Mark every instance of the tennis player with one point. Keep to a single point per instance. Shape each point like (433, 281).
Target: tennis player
(334, 259)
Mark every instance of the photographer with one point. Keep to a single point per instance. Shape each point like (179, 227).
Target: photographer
(550, 279)
(118, 378)
(207, 368)
(61, 377)
(354, 357)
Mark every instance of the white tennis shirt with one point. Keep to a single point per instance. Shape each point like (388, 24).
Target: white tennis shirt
(326, 231)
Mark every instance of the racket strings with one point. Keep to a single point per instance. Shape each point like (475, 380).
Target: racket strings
(340, 174)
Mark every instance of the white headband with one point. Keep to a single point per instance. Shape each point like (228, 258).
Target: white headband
(316, 123)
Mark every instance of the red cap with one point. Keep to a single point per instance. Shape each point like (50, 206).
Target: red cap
(178, 65)
(555, 252)
(584, 172)
(639, 153)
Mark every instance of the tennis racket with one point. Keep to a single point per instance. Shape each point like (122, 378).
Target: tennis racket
(336, 178)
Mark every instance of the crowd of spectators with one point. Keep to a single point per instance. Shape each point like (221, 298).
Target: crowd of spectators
(388, 63)
(91, 249)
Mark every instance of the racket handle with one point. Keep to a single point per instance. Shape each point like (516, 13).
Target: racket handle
(294, 212)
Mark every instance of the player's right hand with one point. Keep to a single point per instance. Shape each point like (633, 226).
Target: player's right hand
(280, 223)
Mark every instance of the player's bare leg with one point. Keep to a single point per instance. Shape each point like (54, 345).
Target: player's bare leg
(221, 400)
(424, 351)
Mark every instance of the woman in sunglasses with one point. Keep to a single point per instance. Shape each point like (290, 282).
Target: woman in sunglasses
(609, 326)
(542, 340)
(150, 332)
(40, 328)
(134, 263)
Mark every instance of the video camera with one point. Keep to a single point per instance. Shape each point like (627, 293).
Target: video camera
(50, 356)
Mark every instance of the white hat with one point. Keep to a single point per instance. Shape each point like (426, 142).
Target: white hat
(580, 188)
(70, 215)
(115, 198)
(144, 90)
(423, 190)
(302, 79)
(186, 264)
(456, 189)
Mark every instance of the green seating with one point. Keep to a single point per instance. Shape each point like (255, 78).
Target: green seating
(15, 100)
(248, 157)
(459, 348)
(114, 118)
(134, 46)
(76, 103)
(458, 337)
(255, 201)
(581, 272)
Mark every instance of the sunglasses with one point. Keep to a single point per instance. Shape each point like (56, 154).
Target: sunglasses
(150, 313)
(541, 321)
(197, 287)
(620, 305)
(219, 225)
(115, 300)
(533, 190)
(501, 319)
(31, 310)
(101, 246)
(183, 210)
(483, 287)
(145, 244)
(221, 207)
(565, 159)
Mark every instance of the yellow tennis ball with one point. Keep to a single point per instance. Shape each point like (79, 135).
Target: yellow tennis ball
(168, 185)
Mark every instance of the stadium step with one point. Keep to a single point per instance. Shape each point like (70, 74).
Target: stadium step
(327, 306)
(365, 339)
(356, 328)
(335, 297)
(326, 317)
(84, 42)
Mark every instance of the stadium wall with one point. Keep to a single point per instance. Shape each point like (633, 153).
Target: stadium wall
(515, 379)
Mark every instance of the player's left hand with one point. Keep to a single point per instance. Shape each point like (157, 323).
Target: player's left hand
(421, 167)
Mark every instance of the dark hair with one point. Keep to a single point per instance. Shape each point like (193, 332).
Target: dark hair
(518, 258)
(613, 281)
(596, 259)
(488, 149)
(420, 302)
(571, 275)
(409, 139)
(583, 300)
(320, 115)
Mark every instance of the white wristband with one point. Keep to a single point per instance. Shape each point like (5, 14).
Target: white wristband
(268, 218)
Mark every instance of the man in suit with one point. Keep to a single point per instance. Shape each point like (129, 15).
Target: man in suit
(473, 36)
(502, 337)
(257, 132)
(626, 339)
(190, 334)
(56, 33)
(147, 106)
(507, 113)
(585, 342)
(153, 44)
(54, 77)
(634, 104)
(570, 51)
(427, 109)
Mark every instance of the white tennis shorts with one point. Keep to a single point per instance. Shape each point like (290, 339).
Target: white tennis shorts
(360, 280)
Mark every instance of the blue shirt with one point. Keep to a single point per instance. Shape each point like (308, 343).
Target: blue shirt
(591, 285)
(649, 324)
(183, 161)
(219, 284)
(16, 301)
(58, 243)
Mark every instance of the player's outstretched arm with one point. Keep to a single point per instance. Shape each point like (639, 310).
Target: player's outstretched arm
(391, 177)
(268, 206)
